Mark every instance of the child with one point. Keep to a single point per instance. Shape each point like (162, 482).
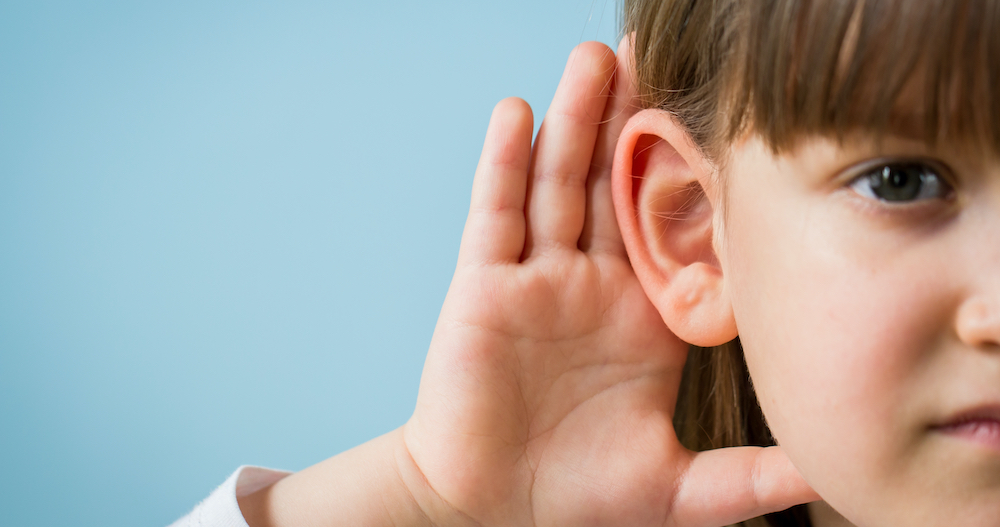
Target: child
(818, 178)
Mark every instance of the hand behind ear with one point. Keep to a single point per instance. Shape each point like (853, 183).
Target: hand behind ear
(549, 389)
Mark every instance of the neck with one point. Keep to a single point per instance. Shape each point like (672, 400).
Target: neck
(823, 515)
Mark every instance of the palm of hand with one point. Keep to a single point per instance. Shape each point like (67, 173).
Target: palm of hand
(566, 400)
(551, 379)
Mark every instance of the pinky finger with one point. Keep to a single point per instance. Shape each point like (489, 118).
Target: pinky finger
(495, 229)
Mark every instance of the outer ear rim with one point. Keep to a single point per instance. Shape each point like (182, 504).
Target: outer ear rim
(623, 191)
(692, 299)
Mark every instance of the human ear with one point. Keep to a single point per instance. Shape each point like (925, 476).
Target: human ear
(665, 197)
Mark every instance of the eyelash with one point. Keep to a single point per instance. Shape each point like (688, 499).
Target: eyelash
(902, 182)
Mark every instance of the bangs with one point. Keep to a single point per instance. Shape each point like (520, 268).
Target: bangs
(923, 69)
(920, 69)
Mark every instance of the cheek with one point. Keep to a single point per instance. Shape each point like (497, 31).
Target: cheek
(835, 332)
(848, 323)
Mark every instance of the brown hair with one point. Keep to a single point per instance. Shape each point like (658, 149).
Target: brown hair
(784, 69)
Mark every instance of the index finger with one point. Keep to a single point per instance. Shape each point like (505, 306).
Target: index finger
(555, 208)
(600, 229)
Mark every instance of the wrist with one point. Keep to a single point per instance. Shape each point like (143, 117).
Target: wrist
(415, 499)
(367, 485)
(434, 509)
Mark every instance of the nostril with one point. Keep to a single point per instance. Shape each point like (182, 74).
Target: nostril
(978, 323)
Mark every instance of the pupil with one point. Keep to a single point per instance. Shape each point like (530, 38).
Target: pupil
(898, 182)
(898, 178)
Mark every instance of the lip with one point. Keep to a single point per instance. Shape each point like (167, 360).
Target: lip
(980, 425)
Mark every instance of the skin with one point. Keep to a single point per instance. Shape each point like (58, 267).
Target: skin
(548, 390)
(865, 324)
(549, 385)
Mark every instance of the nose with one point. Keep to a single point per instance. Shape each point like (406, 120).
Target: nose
(978, 317)
(978, 322)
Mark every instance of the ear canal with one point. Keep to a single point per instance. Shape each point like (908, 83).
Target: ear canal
(675, 215)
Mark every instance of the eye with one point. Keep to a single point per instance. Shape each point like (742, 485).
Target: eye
(902, 182)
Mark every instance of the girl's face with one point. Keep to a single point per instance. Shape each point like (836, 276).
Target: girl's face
(865, 282)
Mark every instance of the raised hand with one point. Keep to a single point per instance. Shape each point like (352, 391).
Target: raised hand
(549, 388)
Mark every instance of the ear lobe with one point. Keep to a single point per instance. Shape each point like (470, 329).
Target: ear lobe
(663, 190)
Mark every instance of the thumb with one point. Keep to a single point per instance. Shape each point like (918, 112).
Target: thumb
(730, 485)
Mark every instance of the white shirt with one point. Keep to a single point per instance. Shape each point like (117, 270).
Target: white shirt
(220, 508)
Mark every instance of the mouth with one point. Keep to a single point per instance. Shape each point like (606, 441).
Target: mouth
(980, 425)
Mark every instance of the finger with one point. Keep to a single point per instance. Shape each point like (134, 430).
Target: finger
(600, 229)
(494, 230)
(563, 150)
(729, 485)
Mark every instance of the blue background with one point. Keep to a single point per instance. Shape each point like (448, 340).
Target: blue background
(226, 229)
